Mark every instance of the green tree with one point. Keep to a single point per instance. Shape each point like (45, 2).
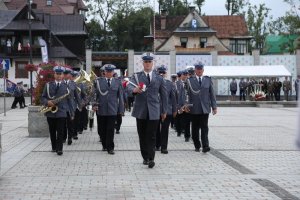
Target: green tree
(95, 40)
(174, 7)
(199, 4)
(129, 31)
(257, 24)
(235, 6)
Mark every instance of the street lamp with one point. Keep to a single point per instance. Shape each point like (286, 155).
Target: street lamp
(30, 46)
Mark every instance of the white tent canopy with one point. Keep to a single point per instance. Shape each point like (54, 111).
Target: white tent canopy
(257, 71)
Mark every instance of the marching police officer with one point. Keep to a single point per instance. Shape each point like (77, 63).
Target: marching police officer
(56, 121)
(149, 91)
(110, 103)
(69, 131)
(19, 96)
(201, 95)
(163, 130)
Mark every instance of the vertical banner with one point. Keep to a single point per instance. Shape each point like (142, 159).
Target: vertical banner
(44, 49)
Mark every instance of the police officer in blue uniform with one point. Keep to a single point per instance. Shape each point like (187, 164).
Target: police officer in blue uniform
(56, 121)
(75, 102)
(162, 133)
(201, 95)
(150, 105)
(110, 103)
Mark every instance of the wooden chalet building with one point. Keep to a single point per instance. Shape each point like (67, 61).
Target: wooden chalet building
(199, 34)
(61, 33)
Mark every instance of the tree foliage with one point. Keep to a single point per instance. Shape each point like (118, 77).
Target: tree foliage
(199, 4)
(235, 6)
(256, 17)
(174, 7)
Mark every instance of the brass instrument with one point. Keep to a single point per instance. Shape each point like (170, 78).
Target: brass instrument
(54, 109)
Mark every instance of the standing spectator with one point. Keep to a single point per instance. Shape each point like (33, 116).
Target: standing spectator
(271, 89)
(242, 86)
(8, 45)
(286, 88)
(233, 89)
(277, 89)
(297, 82)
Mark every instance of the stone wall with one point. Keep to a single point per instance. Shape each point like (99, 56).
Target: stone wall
(37, 123)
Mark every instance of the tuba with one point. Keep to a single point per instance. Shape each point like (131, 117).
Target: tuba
(54, 109)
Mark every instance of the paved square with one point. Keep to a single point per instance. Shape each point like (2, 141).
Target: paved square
(253, 157)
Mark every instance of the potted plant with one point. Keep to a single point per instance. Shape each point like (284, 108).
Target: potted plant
(37, 123)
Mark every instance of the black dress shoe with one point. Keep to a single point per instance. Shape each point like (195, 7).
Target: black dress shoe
(59, 153)
(111, 152)
(178, 135)
(205, 149)
(75, 138)
(84, 128)
(157, 148)
(145, 162)
(197, 150)
(151, 164)
(164, 151)
(25, 106)
(117, 132)
(69, 142)
(187, 139)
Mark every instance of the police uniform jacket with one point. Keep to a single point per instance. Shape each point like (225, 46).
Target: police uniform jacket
(74, 97)
(50, 93)
(181, 94)
(172, 102)
(148, 102)
(18, 92)
(202, 97)
(110, 99)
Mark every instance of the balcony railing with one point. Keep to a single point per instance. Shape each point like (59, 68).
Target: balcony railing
(24, 51)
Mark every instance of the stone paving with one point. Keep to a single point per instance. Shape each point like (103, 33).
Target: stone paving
(253, 157)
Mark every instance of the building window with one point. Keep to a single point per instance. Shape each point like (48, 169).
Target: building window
(183, 42)
(239, 47)
(20, 69)
(203, 41)
(49, 2)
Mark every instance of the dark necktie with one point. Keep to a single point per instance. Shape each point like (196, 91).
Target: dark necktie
(148, 77)
(200, 81)
(57, 87)
(108, 82)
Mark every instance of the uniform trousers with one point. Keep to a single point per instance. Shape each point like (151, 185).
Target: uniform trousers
(200, 122)
(177, 124)
(162, 133)
(147, 131)
(69, 127)
(84, 117)
(78, 123)
(186, 124)
(106, 126)
(56, 129)
(118, 122)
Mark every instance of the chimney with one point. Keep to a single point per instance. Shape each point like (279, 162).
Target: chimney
(192, 9)
(163, 20)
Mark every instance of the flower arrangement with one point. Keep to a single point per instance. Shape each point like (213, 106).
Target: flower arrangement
(258, 95)
(44, 74)
(31, 68)
(142, 86)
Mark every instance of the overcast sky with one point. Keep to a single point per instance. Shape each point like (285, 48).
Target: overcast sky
(217, 7)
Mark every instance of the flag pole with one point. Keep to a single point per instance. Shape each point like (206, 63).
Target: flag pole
(4, 91)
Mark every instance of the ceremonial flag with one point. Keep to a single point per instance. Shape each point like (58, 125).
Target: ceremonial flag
(10, 86)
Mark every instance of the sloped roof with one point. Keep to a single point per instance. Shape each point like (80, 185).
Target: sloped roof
(57, 8)
(61, 52)
(66, 24)
(7, 16)
(227, 26)
(224, 25)
(2, 6)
